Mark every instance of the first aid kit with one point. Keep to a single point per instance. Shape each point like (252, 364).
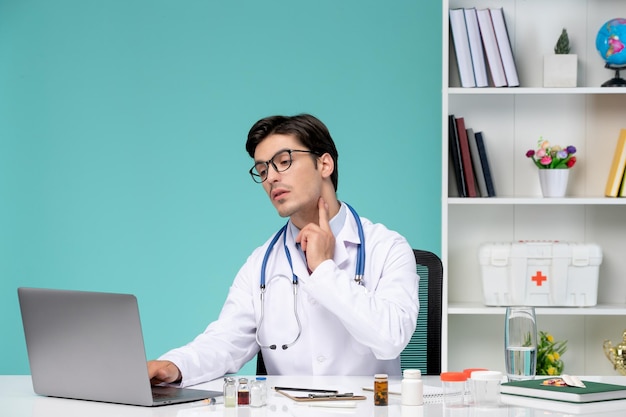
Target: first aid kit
(540, 273)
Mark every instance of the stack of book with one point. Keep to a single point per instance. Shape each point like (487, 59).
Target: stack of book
(483, 48)
(616, 182)
(469, 160)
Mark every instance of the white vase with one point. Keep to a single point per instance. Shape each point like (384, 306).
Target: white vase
(553, 182)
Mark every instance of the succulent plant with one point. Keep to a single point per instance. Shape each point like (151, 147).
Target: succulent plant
(562, 45)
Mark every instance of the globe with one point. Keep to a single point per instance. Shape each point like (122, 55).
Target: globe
(610, 42)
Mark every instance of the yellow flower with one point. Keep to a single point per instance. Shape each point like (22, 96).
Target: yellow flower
(552, 370)
(550, 338)
(550, 357)
(556, 356)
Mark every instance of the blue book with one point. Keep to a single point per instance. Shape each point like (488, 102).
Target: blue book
(484, 161)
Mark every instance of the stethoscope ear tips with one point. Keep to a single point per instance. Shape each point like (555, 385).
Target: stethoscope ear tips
(285, 347)
(273, 347)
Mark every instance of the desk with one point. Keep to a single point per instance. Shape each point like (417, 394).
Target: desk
(17, 399)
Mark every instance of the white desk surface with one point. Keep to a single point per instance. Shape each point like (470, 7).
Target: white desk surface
(17, 399)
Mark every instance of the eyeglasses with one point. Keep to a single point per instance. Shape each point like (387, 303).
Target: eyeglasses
(281, 162)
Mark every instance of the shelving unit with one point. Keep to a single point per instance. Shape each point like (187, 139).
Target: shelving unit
(512, 120)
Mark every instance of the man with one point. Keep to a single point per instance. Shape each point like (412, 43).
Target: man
(302, 302)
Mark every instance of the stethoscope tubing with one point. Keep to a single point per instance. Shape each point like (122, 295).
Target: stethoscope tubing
(358, 276)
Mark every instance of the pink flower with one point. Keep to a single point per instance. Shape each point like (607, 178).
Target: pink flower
(546, 160)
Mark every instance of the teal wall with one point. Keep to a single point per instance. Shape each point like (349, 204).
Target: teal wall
(122, 130)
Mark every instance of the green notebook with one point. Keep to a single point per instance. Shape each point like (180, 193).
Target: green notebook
(594, 391)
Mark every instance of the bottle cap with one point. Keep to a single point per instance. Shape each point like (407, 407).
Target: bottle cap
(453, 377)
(261, 378)
(468, 371)
(486, 376)
(412, 373)
(380, 376)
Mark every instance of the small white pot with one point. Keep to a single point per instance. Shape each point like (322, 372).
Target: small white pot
(560, 70)
(553, 182)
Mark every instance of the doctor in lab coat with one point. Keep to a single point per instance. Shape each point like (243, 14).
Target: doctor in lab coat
(328, 324)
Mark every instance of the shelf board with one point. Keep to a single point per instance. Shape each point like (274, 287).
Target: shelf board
(589, 201)
(534, 90)
(598, 310)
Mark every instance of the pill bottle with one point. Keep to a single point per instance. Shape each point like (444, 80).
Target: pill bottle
(230, 392)
(453, 384)
(243, 392)
(381, 387)
(412, 388)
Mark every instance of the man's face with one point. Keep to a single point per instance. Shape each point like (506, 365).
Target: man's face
(296, 190)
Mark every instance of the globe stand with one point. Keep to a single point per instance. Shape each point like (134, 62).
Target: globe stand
(616, 81)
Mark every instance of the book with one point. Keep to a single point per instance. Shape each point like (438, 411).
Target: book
(476, 48)
(476, 163)
(461, 47)
(504, 46)
(484, 160)
(491, 48)
(466, 158)
(455, 155)
(593, 391)
(616, 172)
(622, 188)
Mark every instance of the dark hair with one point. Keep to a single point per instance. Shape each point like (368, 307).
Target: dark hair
(309, 130)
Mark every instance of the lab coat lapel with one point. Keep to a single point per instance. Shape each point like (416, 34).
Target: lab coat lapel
(348, 236)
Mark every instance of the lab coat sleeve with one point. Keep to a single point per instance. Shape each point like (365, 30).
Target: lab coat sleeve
(381, 315)
(227, 343)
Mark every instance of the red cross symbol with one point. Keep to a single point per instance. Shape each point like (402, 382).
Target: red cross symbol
(539, 278)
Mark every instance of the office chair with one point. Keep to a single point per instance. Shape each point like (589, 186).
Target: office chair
(424, 350)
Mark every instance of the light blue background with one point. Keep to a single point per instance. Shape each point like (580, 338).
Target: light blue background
(122, 131)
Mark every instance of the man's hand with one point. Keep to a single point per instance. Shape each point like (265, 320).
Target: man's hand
(163, 371)
(317, 241)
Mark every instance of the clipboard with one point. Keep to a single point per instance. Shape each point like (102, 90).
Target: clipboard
(314, 394)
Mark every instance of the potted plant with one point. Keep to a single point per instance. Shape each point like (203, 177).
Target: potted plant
(561, 68)
(553, 162)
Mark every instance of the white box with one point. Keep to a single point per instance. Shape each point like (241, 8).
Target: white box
(540, 273)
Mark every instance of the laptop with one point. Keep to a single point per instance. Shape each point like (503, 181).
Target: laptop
(89, 346)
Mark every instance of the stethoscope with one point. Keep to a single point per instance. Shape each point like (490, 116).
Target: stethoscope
(358, 276)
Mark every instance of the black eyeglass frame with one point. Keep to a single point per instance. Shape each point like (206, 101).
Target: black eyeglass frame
(258, 179)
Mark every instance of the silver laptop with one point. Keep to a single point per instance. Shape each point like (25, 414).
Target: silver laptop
(89, 346)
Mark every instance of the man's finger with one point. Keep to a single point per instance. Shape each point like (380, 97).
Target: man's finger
(323, 213)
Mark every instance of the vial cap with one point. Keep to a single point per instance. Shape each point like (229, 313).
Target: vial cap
(412, 373)
(381, 376)
(468, 371)
(453, 377)
(486, 376)
(261, 378)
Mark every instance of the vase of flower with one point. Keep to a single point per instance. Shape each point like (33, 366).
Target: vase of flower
(554, 163)
(553, 182)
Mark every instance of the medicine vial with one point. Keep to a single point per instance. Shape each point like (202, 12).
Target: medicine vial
(230, 392)
(381, 387)
(243, 392)
(257, 393)
(412, 388)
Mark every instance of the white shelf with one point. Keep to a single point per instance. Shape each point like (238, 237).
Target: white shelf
(587, 201)
(535, 91)
(588, 117)
(598, 310)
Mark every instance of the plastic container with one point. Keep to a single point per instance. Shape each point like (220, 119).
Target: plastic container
(412, 387)
(540, 273)
(485, 388)
(453, 384)
(468, 384)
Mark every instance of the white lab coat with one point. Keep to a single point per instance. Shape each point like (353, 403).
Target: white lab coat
(347, 329)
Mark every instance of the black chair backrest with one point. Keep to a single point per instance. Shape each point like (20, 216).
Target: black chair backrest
(424, 350)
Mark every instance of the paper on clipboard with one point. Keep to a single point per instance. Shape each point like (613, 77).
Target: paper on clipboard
(304, 395)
